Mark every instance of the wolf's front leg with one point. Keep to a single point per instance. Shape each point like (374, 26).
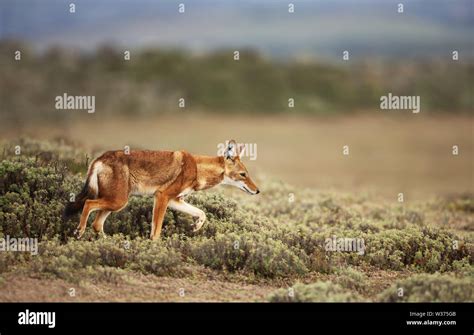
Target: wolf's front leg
(184, 207)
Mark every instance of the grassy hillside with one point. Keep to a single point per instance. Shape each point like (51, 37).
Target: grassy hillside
(271, 247)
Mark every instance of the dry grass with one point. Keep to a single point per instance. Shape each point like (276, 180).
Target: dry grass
(400, 152)
(131, 287)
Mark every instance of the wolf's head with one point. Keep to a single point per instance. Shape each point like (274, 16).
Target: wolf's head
(235, 172)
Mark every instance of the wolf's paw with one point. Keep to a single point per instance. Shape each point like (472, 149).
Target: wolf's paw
(77, 234)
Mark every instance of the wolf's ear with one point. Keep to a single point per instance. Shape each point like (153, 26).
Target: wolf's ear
(232, 150)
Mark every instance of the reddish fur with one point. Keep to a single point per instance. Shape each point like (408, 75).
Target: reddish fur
(165, 174)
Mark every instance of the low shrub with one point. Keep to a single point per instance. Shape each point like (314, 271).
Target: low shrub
(430, 288)
(32, 199)
(352, 279)
(248, 252)
(427, 249)
(64, 260)
(316, 292)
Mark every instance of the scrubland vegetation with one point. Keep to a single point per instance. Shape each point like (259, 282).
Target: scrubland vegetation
(273, 241)
(152, 81)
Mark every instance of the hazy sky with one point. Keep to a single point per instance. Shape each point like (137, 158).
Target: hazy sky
(322, 28)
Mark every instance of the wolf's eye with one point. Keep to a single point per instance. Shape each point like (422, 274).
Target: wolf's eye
(243, 174)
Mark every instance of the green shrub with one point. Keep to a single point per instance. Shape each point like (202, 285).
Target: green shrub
(9, 259)
(352, 279)
(428, 249)
(32, 199)
(248, 252)
(154, 257)
(316, 292)
(133, 221)
(64, 260)
(463, 267)
(430, 288)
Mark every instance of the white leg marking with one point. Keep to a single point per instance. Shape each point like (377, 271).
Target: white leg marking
(186, 208)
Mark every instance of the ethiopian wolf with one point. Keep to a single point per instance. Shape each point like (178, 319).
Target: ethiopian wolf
(167, 175)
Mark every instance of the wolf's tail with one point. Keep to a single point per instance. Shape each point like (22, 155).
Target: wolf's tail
(89, 191)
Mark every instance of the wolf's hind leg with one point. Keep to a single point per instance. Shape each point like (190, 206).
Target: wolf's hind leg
(98, 204)
(99, 220)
